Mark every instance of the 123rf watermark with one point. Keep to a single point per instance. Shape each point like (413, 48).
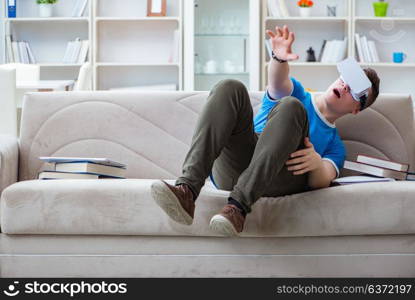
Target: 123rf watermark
(70, 288)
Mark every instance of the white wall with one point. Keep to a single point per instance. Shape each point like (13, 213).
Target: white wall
(2, 33)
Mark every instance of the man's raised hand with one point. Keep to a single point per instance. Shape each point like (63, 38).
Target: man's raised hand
(282, 40)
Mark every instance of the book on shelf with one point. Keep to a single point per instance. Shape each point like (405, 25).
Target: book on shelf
(9, 49)
(24, 55)
(410, 176)
(11, 8)
(334, 51)
(76, 51)
(359, 48)
(366, 53)
(283, 8)
(277, 9)
(15, 49)
(383, 163)
(19, 51)
(32, 59)
(323, 46)
(359, 179)
(372, 170)
(79, 8)
(64, 175)
(83, 52)
(366, 49)
(273, 10)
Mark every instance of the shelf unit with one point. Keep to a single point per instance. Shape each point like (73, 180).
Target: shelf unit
(48, 37)
(132, 49)
(221, 42)
(392, 33)
(309, 31)
(128, 49)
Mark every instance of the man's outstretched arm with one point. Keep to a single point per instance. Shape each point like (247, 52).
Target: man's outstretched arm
(279, 83)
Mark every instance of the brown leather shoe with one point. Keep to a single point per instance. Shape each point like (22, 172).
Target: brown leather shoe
(229, 222)
(176, 201)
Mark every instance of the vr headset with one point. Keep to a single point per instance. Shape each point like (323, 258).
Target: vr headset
(354, 76)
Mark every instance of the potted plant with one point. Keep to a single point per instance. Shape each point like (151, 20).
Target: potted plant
(381, 8)
(45, 7)
(305, 7)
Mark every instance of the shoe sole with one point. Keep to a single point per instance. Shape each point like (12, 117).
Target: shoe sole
(223, 226)
(169, 203)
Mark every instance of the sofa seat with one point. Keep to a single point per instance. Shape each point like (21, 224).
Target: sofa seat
(125, 207)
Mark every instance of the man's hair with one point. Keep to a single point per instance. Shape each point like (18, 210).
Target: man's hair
(375, 80)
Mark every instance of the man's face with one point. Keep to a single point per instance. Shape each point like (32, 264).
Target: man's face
(340, 100)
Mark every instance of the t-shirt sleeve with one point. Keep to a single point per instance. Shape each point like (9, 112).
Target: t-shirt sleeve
(335, 153)
(298, 90)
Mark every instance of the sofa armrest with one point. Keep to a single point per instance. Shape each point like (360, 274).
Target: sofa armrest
(9, 159)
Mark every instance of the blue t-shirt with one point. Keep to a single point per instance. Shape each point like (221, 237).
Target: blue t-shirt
(323, 135)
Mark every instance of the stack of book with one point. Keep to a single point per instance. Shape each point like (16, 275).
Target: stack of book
(19, 51)
(333, 51)
(76, 52)
(380, 167)
(79, 8)
(82, 168)
(366, 50)
(278, 9)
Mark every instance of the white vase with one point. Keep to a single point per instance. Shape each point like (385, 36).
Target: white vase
(45, 10)
(305, 12)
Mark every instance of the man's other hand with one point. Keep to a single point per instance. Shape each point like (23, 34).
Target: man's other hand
(305, 160)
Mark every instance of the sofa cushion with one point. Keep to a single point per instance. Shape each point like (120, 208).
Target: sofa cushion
(125, 207)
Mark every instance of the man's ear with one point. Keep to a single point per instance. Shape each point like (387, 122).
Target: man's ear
(356, 108)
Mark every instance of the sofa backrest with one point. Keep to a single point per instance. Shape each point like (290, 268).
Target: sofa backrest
(151, 131)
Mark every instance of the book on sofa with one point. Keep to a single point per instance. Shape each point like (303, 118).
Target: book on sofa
(383, 163)
(82, 168)
(69, 175)
(98, 160)
(373, 170)
(359, 179)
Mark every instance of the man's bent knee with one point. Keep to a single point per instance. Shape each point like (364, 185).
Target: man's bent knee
(291, 105)
(230, 85)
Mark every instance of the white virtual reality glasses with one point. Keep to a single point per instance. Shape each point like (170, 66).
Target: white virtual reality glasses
(353, 75)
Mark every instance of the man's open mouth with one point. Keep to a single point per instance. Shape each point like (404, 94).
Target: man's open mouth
(336, 92)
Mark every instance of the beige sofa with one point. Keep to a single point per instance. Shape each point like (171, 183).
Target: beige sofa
(105, 228)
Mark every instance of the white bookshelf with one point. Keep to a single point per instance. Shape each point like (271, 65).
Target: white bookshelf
(132, 49)
(309, 32)
(392, 33)
(218, 31)
(48, 37)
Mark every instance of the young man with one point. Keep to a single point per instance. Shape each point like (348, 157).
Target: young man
(291, 146)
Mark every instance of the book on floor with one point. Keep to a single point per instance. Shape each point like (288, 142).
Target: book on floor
(383, 163)
(372, 170)
(360, 179)
(67, 175)
(97, 160)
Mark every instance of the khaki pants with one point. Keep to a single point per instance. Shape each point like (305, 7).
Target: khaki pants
(249, 165)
